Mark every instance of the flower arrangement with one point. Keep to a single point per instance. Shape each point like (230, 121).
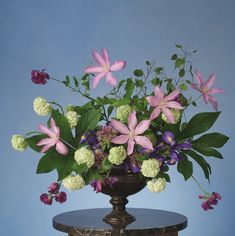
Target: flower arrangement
(139, 125)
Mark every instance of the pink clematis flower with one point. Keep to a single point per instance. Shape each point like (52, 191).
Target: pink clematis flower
(163, 104)
(206, 90)
(104, 69)
(131, 135)
(54, 138)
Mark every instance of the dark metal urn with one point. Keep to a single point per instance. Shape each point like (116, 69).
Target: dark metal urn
(128, 184)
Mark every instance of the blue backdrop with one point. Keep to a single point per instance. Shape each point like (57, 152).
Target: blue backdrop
(58, 36)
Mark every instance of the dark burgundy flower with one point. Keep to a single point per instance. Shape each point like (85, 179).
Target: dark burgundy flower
(39, 77)
(209, 200)
(46, 198)
(61, 197)
(54, 188)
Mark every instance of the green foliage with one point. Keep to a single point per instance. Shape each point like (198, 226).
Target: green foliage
(106, 165)
(138, 73)
(185, 167)
(201, 162)
(33, 140)
(130, 86)
(179, 62)
(88, 121)
(200, 123)
(67, 81)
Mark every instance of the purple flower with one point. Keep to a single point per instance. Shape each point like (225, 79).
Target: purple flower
(39, 77)
(209, 201)
(168, 138)
(54, 188)
(97, 185)
(61, 197)
(46, 198)
(90, 138)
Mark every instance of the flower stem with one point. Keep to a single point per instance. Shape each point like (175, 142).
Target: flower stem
(57, 104)
(68, 144)
(200, 186)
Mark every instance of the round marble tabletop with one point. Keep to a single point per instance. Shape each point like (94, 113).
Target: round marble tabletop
(148, 222)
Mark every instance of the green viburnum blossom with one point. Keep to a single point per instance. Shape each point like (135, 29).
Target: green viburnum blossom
(18, 142)
(73, 183)
(117, 155)
(176, 113)
(156, 185)
(123, 112)
(72, 118)
(150, 168)
(84, 156)
(41, 106)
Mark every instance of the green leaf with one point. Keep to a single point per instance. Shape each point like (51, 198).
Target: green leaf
(181, 73)
(183, 87)
(46, 164)
(194, 104)
(164, 175)
(92, 174)
(64, 166)
(185, 167)
(174, 57)
(110, 110)
(33, 140)
(79, 169)
(123, 101)
(178, 45)
(155, 81)
(179, 62)
(88, 121)
(65, 130)
(207, 151)
(158, 70)
(200, 123)
(67, 81)
(138, 73)
(188, 82)
(201, 162)
(106, 165)
(139, 83)
(129, 88)
(216, 140)
(75, 80)
(148, 63)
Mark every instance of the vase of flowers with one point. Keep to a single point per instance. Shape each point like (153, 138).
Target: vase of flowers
(130, 137)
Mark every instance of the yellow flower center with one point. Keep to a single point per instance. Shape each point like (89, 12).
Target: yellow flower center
(106, 67)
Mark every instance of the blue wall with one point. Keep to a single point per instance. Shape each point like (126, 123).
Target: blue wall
(58, 36)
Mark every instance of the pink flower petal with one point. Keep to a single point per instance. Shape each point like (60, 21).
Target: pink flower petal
(144, 142)
(120, 127)
(54, 128)
(215, 90)
(210, 81)
(153, 101)
(213, 102)
(130, 147)
(174, 105)
(61, 148)
(118, 65)
(155, 113)
(142, 127)
(110, 79)
(97, 78)
(168, 114)
(47, 131)
(172, 95)
(158, 93)
(45, 141)
(98, 58)
(205, 97)
(199, 78)
(105, 56)
(121, 139)
(94, 69)
(48, 146)
(194, 86)
(132, 121)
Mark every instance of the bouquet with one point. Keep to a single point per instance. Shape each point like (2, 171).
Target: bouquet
(139, 126)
